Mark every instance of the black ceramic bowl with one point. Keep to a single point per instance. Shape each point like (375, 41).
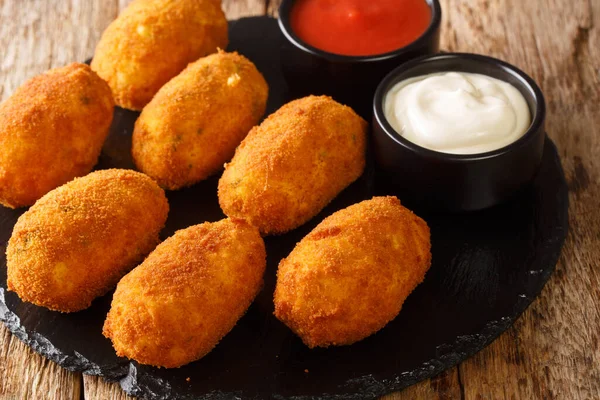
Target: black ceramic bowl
(450, 182)
(351, 80)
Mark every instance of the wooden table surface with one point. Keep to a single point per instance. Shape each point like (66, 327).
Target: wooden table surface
(553, 350)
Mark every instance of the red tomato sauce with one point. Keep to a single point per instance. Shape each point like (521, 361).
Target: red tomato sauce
(360, 27)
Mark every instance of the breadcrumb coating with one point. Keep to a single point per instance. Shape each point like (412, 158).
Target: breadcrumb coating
(293, 164)
(350, 276)
(189, 293)
(76, 242)
(194, 123)
(52, 130)
(152, 41)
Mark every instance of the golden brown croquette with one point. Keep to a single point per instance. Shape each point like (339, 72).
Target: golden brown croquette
(51, 131)
(194, 123)
(189, 293)
(77, 241)
(152, 41)
(350, 276)
(293, 164)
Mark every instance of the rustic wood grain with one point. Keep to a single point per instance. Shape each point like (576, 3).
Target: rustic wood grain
(553, 350)
(235, 9)
(27, 375)
(97, 388)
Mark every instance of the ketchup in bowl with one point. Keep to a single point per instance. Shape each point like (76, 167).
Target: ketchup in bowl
(360, 27)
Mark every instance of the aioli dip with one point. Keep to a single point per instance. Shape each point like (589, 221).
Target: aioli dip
(360, 27)
(457, 112)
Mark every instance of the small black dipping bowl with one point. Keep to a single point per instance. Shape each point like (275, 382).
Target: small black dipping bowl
(424, 178)
(351, 80)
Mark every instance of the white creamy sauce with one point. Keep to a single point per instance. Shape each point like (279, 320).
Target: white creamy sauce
(457, 112)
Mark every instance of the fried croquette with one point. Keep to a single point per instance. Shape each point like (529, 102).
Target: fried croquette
(152, 41)
(77, 241)
(51, 130)
(189, 293)
(293, 164)
(194, 123)
(350, 276)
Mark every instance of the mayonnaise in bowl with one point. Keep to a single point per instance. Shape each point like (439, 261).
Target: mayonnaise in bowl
(457, 112)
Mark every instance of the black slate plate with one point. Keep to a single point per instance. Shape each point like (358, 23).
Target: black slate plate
(487, 268)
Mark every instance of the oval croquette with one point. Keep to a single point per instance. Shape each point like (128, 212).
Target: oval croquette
(293, 164)
(350, 276)
(51, 131)
(77, 241)
(188, 294)
(151, 41)
(194, 123)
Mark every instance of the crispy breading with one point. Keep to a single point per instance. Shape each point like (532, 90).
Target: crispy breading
(350, 276)
(189, 293)
(293, 164)
(152, 41)
(51, 131)
(77, 241)
(194, 123)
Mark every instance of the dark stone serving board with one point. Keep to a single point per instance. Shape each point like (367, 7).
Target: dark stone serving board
(487, 268)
